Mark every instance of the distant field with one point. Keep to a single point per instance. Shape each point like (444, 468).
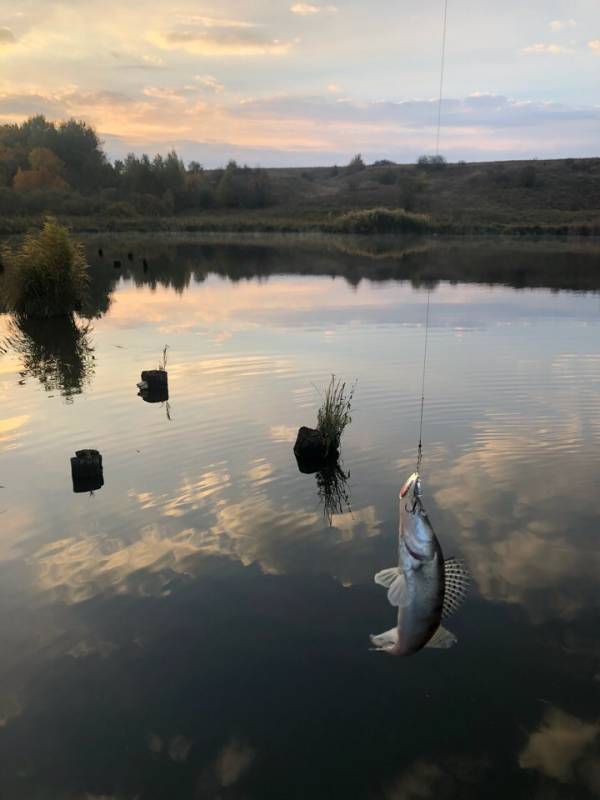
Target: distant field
(557, 196)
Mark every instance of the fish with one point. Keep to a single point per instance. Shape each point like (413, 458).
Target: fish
(423, 587)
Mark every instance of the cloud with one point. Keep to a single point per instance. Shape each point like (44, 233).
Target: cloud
(537, 564)
(309, 9)
(11, 433)
(283, 433)
(7, 37)
(561, 24)
(210, 83)
(546, 49)
(563, 748)
(206, 124)
(211, 36)
(595, 45)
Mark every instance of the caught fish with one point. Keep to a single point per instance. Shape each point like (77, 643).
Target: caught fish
(423, 587)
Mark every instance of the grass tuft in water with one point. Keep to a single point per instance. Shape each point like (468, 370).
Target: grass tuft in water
(334, 414)
(46, 276)
(382, 220)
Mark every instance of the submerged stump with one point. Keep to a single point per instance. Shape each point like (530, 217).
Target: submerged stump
(154, 386)
(311, 450)
(86, 471)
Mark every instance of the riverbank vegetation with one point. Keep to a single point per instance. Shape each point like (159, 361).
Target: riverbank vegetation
(62, 169)
(46, 275)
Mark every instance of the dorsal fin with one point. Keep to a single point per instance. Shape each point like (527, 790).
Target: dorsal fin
(457, 580)
(442, 639)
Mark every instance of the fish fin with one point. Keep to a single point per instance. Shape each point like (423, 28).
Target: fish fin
(394, 581)
(385, 640)
(457, 581)
(399, 594)
(442, 639)
(387, 576)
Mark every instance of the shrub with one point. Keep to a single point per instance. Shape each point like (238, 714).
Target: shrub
(47, 275)
(334, 414)
(382, 220)
(432, 162)
(356, 165)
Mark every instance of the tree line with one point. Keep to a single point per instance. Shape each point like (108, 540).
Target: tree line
(62, 167)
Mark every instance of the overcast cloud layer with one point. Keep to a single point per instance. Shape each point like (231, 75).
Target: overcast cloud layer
(310, 83)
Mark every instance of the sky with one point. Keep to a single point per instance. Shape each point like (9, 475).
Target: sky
(281, 83)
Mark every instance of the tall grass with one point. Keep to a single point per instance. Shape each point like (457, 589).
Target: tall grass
(46, 276)
(334, 414)
(382, 220)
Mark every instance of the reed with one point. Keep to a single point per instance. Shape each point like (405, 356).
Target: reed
(334, 414)
(46, 276)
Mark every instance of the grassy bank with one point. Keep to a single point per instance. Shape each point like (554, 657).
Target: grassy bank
(358, 222)
(558, 197)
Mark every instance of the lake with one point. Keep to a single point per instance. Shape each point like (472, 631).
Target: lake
(198, 626)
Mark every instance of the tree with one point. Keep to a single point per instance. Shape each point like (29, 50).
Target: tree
(45, 173)
(226, 194)
(432, 162)
(356, 165)
(77, 144)
(41, 158)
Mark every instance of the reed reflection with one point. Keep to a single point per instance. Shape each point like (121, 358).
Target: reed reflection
(333, 491)
(57, 352)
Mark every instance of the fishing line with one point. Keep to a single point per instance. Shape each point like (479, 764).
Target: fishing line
(420, 447)
(442, 63)
(437, 152)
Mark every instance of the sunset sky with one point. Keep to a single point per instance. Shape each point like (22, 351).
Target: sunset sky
(273, 83)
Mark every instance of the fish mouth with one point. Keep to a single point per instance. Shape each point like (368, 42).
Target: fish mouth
(409, 484)
(416, 556)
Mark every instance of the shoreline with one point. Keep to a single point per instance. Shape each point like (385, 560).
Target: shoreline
(275, 224)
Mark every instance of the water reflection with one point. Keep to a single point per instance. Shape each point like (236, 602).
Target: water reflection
(333, 490)
(58, 353)
(565, 749)
(224, 609)
(175, 264)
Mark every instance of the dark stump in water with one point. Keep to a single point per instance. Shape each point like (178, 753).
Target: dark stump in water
(86, 471)
(154, 387)
(100, 253)
(116, 264)
(311, 451)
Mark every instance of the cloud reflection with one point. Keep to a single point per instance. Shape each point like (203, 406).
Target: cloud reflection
(565, 748)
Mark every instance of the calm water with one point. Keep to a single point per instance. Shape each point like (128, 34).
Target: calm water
(198, 627)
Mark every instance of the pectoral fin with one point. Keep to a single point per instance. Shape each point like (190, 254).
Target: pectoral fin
(387, 576)
(395, 582)
(385, 640)
(442, 639)
(457, 581)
